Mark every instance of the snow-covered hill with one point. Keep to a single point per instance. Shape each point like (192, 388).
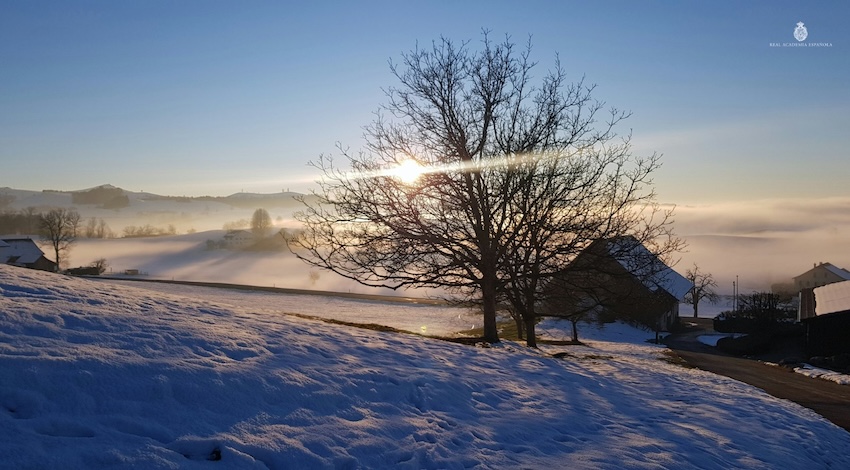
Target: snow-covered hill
(94, 375)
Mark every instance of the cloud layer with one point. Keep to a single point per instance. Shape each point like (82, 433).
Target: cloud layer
(764, 242)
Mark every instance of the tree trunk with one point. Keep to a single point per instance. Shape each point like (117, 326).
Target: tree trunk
(575, 330)
(530, 336)
(696, 308)
(488, 297)
(519, 327)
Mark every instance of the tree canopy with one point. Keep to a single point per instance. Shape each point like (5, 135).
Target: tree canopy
(478, 179)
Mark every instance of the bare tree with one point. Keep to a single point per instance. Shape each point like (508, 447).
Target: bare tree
(97, 228)
(502, 160)
(581, 190)
(704, 288)
(261, 223)
(100, 265)
(59, 229)
(236, 225)
(103, 230)
(91, 228)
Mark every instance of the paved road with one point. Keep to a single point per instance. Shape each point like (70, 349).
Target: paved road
(828, 399)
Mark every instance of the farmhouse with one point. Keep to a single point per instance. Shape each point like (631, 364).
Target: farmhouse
(820, 275)
(621, 278)
(825, 313)
(25, 253)
(239, 239)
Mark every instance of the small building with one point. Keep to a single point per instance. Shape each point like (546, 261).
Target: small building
(239, 238)
(25, 253)
(820, 275)
(620, 277)
(825, 313)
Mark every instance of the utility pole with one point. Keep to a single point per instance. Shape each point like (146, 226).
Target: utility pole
(737, 289)
(734, 297)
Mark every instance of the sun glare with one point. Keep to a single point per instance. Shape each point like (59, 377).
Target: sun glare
(408, 171)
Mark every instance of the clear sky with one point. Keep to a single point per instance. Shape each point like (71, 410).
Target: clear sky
(209, 97)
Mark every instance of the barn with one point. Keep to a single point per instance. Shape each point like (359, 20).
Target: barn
(620, 278)
(25, 253)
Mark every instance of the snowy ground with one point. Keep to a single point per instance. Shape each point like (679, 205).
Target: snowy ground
(424, 319)
(824, 374)
(95, 375)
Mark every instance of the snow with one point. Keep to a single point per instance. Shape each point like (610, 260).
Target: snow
(24, 250)
(186, 258)
(840, 272)
(825, 374)
(832, 298)
(430, 320)
(712, 340)
(98, 375)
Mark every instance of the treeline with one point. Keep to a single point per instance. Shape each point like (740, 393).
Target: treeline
(97, 228)
(25, 221)
(148, 230)
(28, 222)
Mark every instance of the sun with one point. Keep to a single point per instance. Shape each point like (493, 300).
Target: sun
(408, 171)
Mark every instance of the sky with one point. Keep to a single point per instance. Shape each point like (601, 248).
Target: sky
(212, 98)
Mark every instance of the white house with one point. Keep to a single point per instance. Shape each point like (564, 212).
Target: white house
(820, 275)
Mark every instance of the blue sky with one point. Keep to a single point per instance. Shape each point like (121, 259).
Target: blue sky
(210, 97)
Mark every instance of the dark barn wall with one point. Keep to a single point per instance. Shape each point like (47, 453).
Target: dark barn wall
(828, 335)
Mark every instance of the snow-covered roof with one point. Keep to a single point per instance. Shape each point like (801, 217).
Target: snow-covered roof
(23, 250)
(832, 298)
(842, 273)
(646, 266)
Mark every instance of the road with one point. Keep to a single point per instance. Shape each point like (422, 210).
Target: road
(829, 399)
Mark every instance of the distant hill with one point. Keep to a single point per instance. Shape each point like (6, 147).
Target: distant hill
(121, 209)
(106, 194)
(243, 200)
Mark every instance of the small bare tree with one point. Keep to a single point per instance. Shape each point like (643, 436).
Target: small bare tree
(261, 223)
(91, 228)
(100, 265)
(704, 288)
(59, 229)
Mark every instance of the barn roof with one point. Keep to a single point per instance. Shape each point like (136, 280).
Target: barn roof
(23, 250)
(841, 273)
(646, 266)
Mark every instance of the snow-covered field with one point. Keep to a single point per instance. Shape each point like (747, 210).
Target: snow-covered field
(97, 375)
(430, 320)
